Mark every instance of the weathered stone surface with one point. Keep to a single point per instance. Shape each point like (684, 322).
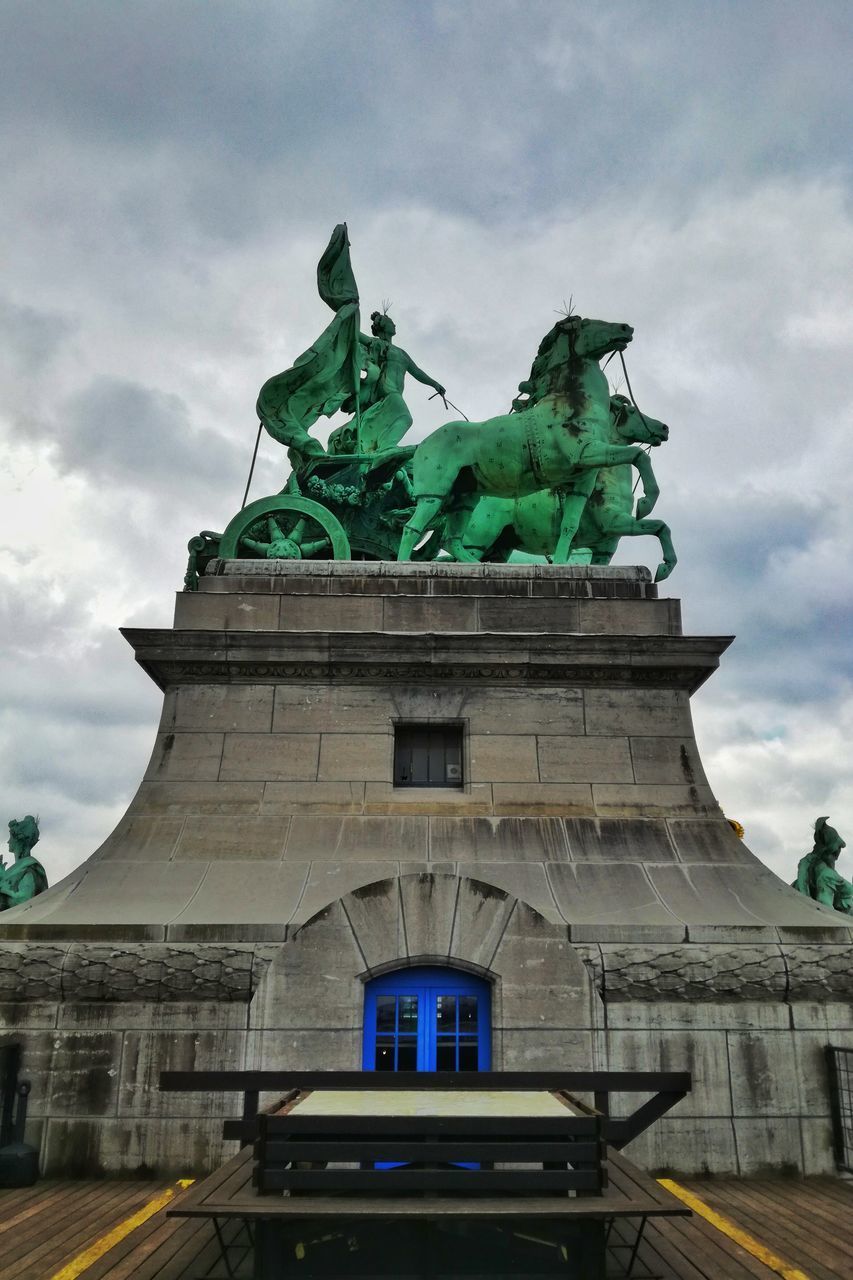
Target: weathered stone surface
(480, 918)
(694, 971)
(154, 972)
(355, 757)
(329, 881)
(527, 615)
(707, 840)
(529, 710)
(310, 707)
(223, 708)
(283, 798)
(642, 840)
(268, 892)
(582, 759)
(584, 895)
(664, 761)
(383, 798)
(72, 1072)
(764, 1147)
(272, 757)
(497, 839)
(428, 905)
(146, 1053)
(331, 613)
(820, 972)
(210, 837)
(699, 1145)
(178, 799)
(268, 866)
(186, 756)
(236, 611)
(617, 617)
(704, 1053)
(503, 758)
(31, 972)
(637, 712)
(543, 799)
(325, 838)
(624, 801)
(86, 1147)
(143, 837)
(415, 613)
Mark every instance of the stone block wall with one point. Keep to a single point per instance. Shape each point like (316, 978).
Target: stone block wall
(268, 866)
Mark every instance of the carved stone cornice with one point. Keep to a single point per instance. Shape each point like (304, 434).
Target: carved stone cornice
(226, 657)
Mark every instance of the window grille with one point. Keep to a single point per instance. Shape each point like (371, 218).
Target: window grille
(840, 1063)
(428, 755)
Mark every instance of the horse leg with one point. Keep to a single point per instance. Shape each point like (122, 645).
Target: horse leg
(613, 455)
(625, 526)
(456, 523)
(422, 519)
(574, 501)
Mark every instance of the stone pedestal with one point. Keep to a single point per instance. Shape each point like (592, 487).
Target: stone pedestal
(268, 865)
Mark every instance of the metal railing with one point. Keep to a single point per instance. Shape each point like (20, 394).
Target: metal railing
(840, 1065)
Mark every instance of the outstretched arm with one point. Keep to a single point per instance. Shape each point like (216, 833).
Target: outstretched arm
(420, 376)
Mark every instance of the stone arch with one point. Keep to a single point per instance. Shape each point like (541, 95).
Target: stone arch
(308, 1011)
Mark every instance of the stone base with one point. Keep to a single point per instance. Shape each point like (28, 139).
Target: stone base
(268, 866)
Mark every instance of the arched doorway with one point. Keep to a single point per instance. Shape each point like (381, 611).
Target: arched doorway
(427, 1019)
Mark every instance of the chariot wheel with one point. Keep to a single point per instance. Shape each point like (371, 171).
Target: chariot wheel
(285, 527)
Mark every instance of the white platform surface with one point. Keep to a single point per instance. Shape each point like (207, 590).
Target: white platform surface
(430, 1102)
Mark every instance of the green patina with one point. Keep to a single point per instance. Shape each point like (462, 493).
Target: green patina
(26, 877)
(553, 477)
(816, 874)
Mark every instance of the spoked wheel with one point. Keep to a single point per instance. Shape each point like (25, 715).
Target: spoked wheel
(285, 527)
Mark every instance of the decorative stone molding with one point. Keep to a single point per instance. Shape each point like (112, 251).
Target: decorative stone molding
(31, 971)
(153, 972)
(699, 971)
(819, 972)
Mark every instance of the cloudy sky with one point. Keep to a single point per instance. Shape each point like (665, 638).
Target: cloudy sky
(171, 172)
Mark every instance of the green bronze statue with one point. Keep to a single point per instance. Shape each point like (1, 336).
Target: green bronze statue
(384, 414)
(560, 440)
(553, 477)
(816, 874)
(344, 369)
(26, 877)
(532, 524)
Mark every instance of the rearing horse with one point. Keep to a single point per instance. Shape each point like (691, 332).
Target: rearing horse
(560, 440)
(532, 523)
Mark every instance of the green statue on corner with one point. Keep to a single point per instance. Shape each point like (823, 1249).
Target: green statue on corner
(816, 874)
(26, 877)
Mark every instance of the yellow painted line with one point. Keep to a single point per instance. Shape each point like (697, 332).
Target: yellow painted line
(734, 1232)
(90, 1256)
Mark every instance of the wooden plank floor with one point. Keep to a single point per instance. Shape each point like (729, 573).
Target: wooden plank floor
(44, 1229)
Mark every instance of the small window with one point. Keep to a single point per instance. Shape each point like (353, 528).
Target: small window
(428, 755)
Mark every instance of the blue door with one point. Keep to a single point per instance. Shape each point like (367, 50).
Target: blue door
(427, 1019)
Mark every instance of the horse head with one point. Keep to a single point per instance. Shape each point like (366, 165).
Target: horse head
(593, 339)
(632, 426)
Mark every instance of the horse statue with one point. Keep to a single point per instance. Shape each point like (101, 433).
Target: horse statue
(499, 526)
(561, 440)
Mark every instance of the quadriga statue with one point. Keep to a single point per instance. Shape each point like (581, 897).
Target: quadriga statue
(26, 877)
(562, 439)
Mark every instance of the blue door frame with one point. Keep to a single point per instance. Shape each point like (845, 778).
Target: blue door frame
(427, 1019)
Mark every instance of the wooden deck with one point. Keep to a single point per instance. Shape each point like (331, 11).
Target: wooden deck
(66, 1230)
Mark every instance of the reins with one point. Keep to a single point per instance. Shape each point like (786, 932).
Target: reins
(449, 402)
(252, 467)
(648, 447)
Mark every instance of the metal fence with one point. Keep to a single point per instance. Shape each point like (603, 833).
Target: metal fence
(840, 1064)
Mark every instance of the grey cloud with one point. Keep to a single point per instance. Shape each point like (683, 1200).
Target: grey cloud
(119, 431)
(544, 103)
